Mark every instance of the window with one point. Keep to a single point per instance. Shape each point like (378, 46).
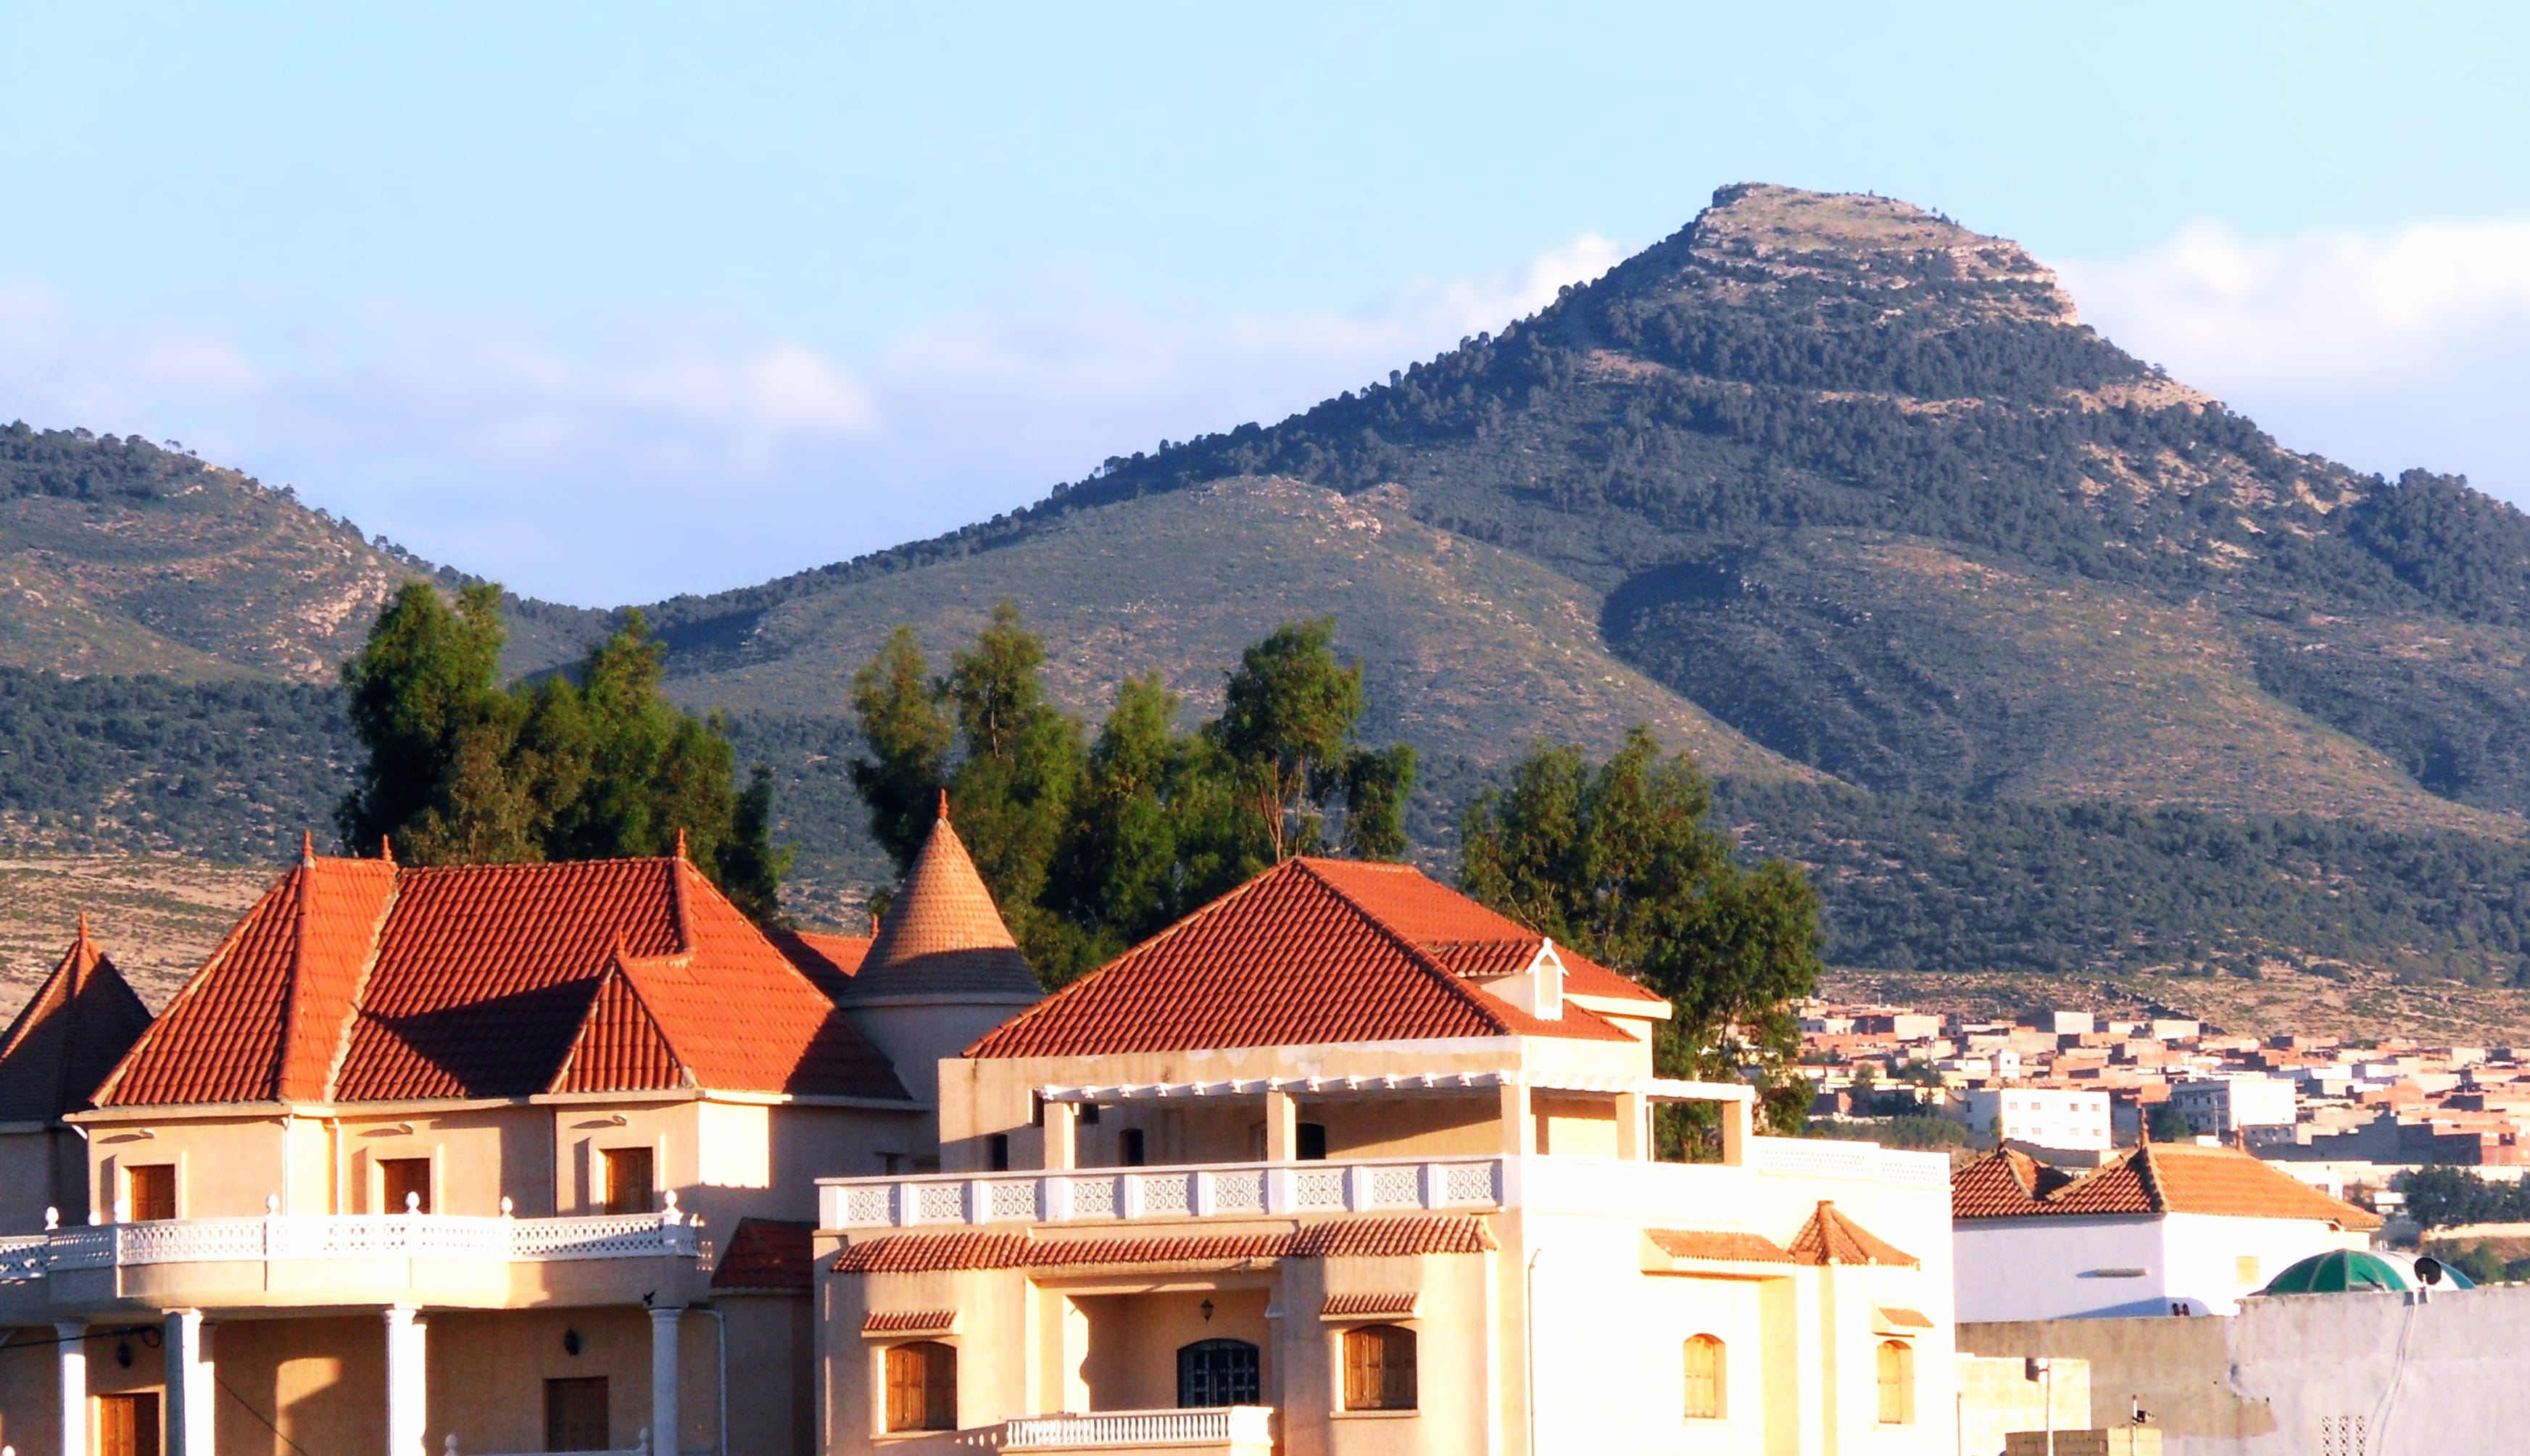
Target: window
(1379, 1368)
(1896, 1383)
(1089, 1113)
(1218, 1372)
(922, 1387)
(128, 1425)
(1707, 1378)
(402, 1176)
(997, 1152)
(629, 1185)
(1313, 1142)
(152, 1190)
(1129, 1147)
(2244, 1270)
(576, 1415)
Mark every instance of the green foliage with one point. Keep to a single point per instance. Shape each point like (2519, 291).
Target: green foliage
(1618, 863)
(457, 769)
(751, 866)
(1090, 847)
(2168, 1124)
(2441, 1197)
(1916, 1130)
(75, 465)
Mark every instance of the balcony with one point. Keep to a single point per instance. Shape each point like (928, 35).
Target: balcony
(343, 1259)
(1236, 1430)
(1274, 1190)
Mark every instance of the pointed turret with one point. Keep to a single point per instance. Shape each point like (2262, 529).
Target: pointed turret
(943, 935)
(67, 1036)
(941, 970)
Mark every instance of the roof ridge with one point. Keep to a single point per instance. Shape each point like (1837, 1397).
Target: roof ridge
(618, 972)
(1483, 1003)
(292, 984)
(2149, 1176)
(185, 993)
(677, 916)
(1129, 954)
(352, 1012)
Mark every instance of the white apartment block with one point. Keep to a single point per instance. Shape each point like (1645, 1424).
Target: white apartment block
(2218, 1106)
(2043, 1117)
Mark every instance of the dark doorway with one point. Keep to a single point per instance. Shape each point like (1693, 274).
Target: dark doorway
(576, 1415)
(1313, 1142)
(128, 1425)
(403, 1177)
(1218, 1372)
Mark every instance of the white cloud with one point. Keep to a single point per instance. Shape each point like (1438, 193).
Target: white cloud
(675, 458)
(2386, 351)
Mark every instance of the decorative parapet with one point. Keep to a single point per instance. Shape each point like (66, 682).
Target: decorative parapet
(1223, 1426)
(277, 1237)
(1387, 1186)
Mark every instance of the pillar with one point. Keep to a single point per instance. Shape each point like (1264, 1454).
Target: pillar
(408, 1381)
(1061, 1140)
(189, 1387)
(1632, 1129)
(1518, 1129)
(665, 1430)
(71, 1360)
(1282, 1126)
(1739, 1124)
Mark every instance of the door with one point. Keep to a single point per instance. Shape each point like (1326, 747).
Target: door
(628, 1182)
(153, 1191)
(1218, 1372)
(128, 1425)
(402, 1177)
(576, 1415)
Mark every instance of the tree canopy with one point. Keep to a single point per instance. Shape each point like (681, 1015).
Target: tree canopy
(461, 769)
(1090, 842)
(1617, 860)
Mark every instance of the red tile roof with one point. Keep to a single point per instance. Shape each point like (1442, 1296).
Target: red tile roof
(920, 1253)
(828, 961)
(2006, 1184)
(68, 1035)
(1313, 951)
(942, 935)
(908, 1322)
(1717, 1245)
(1368, 1305)
(360, 980)
(766, 1254)
(2154, 1179)
(1830, 1237)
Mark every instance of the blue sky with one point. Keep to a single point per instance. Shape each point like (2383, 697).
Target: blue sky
(614, 301)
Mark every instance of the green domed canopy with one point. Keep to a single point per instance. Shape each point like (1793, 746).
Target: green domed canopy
(2338, 1271)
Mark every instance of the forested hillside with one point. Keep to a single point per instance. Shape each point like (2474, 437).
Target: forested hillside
(2045, 661)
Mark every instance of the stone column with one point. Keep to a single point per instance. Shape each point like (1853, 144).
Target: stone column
(1518, 1127)
(1738, 1124)
(189, 1387)
(408, 1381)
(72, 1357)
(1282, 1126)
(1634, 1145)
(665, 1432)
(1062, 1141)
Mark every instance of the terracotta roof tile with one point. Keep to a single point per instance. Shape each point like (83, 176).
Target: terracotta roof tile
(1830, 1237)
(1293, 956)
(68, 1035)
(828, 961)
(943, 935)
(1368, 1305)
(908, 1322)
(357, 980)
(766, 1254)
(1463, 935)
(2004, 1184)
(2157, 1178)
(918, 1252)
(1717, 1245)
(1898, 1316)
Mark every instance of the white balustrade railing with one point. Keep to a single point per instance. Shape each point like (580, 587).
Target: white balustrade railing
(1230, 1190)
(1565, 1184)
(1236, 1426)
(302, 1236)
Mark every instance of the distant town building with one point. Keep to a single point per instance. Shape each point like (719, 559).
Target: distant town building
(2219, 1107)
(2166, 1229)
(2043, 1117)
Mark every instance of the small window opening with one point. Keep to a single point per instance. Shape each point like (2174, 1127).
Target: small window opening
(1313, 1142)
(1129, 1147)
(997, 1152)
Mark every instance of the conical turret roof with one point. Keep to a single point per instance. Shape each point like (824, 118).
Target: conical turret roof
(943, 936)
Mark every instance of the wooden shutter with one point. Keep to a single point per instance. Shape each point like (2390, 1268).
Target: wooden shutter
(629, 1180)
(922, 1387)
(153, 1189)
(399, 1176)
(1379, 1368)
(1896, 1383)
(1707, 1381)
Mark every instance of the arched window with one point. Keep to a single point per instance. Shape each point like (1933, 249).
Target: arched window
(923, 1387)
(1708, 1381)
(1218, 1372)
(1379, 1368)
(1896, 1383)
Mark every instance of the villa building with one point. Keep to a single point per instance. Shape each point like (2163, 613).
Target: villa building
(1344, 1163)
(478, 1159)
